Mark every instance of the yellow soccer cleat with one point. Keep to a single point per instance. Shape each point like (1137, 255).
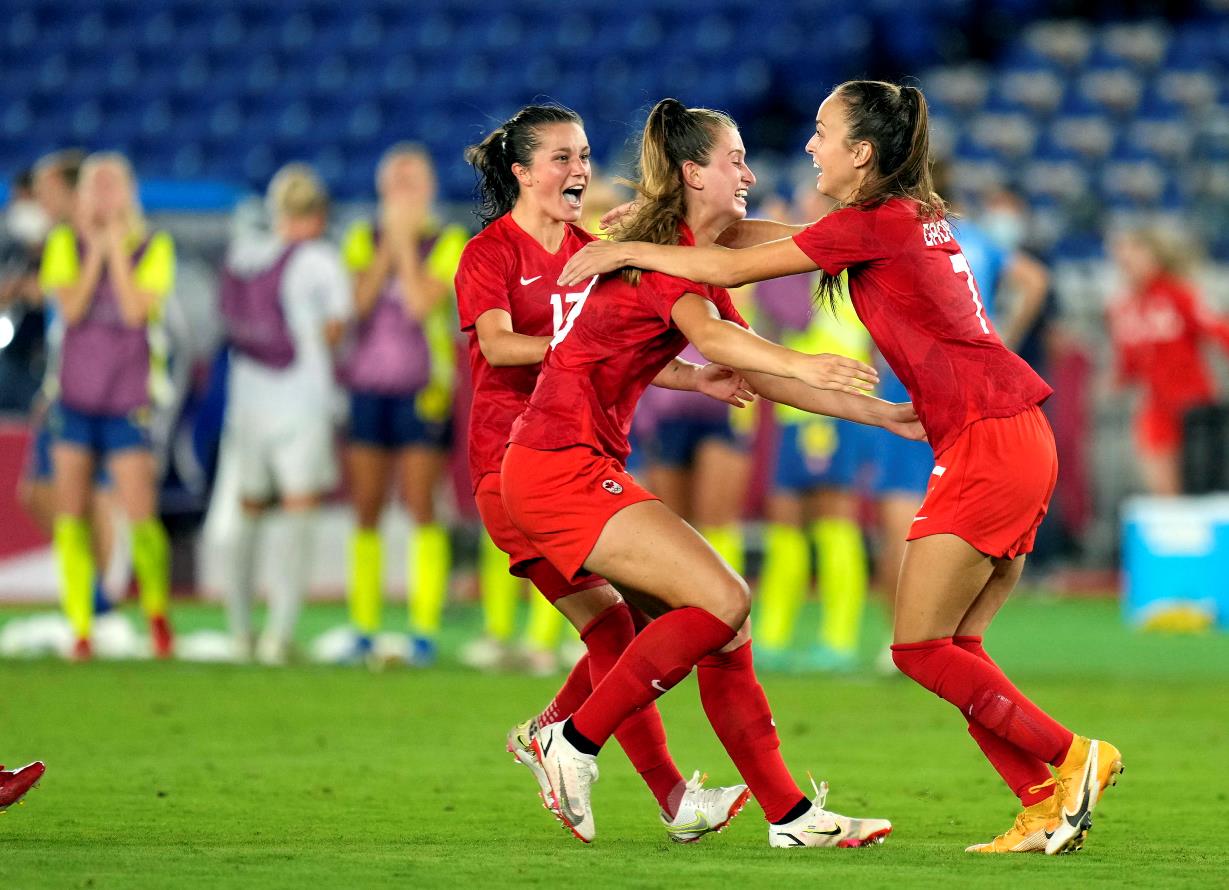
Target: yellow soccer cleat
(1028, 834)
(1090, 767)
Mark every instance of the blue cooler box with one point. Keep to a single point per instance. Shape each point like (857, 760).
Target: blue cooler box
(1175, 554)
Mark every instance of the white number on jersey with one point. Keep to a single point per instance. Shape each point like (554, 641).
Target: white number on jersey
(960, 266)
(576, 302)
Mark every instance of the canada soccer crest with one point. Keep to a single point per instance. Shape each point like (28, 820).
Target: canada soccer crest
(611, 486)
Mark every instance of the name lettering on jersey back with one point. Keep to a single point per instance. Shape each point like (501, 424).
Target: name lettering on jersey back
(936, 233)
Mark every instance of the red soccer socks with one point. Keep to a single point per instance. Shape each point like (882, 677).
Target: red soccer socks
(659, 658)
(984, 695)
(739, 713)
(1027, 776)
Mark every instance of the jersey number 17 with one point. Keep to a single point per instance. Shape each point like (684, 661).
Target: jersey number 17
(575, 302)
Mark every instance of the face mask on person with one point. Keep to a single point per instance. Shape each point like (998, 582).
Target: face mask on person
(27, 223)
(1005, 228)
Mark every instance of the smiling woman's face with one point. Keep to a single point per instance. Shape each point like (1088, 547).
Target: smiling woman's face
(557, 176)
(839, 175)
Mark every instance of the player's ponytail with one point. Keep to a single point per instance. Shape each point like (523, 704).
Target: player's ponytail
(512, 143)
(896, 122)
(673, 134)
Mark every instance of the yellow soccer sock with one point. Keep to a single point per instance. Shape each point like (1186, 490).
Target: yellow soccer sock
(500, 591)
(727, 540)
(366, 580)
(783, 584)
(430, 558)
(151, 561)
(842, 582)
(545, 625)
(76, 564)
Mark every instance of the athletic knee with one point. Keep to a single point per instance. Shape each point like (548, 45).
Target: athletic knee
(732, 601)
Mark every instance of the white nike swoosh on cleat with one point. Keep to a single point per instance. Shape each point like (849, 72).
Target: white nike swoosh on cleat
(530, 280)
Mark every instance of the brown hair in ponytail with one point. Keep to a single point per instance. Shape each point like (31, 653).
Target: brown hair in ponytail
(896, 122)
(673, 134)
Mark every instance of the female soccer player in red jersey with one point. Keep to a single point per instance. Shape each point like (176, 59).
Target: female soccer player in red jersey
(533, 172)
(995, 460)
(565, 487)
(1158, 327)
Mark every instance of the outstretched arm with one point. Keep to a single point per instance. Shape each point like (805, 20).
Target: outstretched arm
(896, 417)
(731, 344)
(750, 232)
(713, 265)
(715, 381)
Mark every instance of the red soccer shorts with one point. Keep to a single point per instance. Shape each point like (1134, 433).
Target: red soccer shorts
(524, 560)
(563, 499)
(1158, 430)
(992, 486)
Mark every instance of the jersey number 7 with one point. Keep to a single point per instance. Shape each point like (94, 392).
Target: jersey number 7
(960, 265)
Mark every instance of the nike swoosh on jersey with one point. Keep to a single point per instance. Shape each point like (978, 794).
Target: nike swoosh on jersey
(657, 685)
(530, 280)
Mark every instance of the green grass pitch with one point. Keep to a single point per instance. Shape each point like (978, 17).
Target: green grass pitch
(182, 775)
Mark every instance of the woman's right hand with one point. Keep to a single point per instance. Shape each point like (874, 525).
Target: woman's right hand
(835, 372)
(595, 258)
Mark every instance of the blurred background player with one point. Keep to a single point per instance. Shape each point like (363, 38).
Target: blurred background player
(1159, 325)
(814, 486)
(399, 367)
(54, 184)
(285, 299)
(110, 279)
(696, 461)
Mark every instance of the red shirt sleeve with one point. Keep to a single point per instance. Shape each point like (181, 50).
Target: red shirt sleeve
(720, 297)
(1201, 320)
(841, 239)
(481, 282)
(660, 292)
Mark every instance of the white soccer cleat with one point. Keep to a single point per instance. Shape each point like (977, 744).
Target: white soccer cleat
(704, 809)
(520, 746)
(818, 827)
(571, 775)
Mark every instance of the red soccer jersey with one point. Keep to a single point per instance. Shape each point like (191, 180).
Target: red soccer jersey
(503, 267)
(1158, 334)
(915, 292)
(605, 357)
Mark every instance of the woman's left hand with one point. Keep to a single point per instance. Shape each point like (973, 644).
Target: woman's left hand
(724, 384)
(595, 258)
